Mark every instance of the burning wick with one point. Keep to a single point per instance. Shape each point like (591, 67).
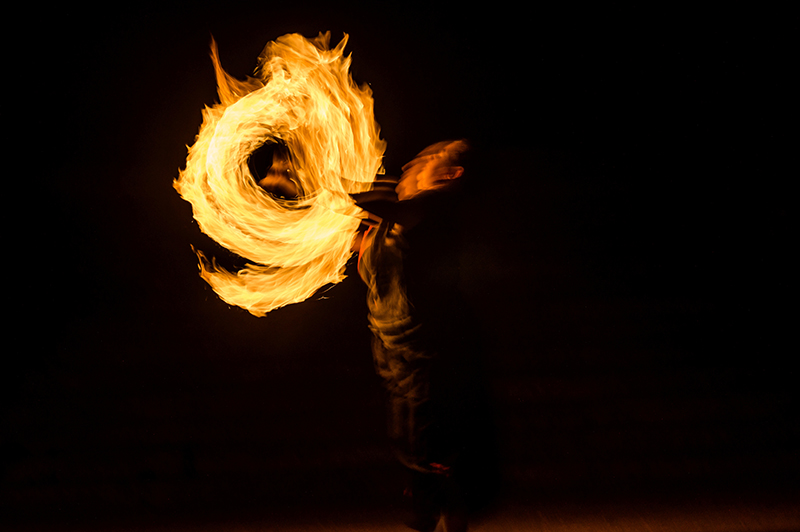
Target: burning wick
(295, 222)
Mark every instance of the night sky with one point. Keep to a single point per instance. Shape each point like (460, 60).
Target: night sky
(626, 258)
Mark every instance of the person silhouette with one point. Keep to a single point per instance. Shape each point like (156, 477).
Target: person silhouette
(419, 343)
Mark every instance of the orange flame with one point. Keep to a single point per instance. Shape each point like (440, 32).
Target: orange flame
(303, 97)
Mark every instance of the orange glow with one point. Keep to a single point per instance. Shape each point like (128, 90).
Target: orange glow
(303, 97)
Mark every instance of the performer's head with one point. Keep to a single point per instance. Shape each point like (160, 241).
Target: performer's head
(435, 168)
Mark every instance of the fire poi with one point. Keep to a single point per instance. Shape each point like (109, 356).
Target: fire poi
(302, 97)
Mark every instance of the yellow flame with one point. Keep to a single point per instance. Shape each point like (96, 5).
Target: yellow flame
(304, 97)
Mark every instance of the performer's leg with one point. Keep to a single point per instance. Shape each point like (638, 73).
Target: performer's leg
(426, 495)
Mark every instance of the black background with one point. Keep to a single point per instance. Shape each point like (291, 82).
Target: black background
(627, 258)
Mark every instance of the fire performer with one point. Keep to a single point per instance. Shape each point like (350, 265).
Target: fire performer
(419, 345)
(303, 112)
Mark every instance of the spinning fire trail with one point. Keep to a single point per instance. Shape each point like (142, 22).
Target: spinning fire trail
(302, 97)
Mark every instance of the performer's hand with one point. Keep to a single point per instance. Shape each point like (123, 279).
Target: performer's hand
(433, 168)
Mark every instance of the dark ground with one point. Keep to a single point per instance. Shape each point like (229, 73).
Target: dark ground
(627, 263)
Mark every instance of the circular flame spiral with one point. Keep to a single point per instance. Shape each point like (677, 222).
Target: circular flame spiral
(304, 97)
